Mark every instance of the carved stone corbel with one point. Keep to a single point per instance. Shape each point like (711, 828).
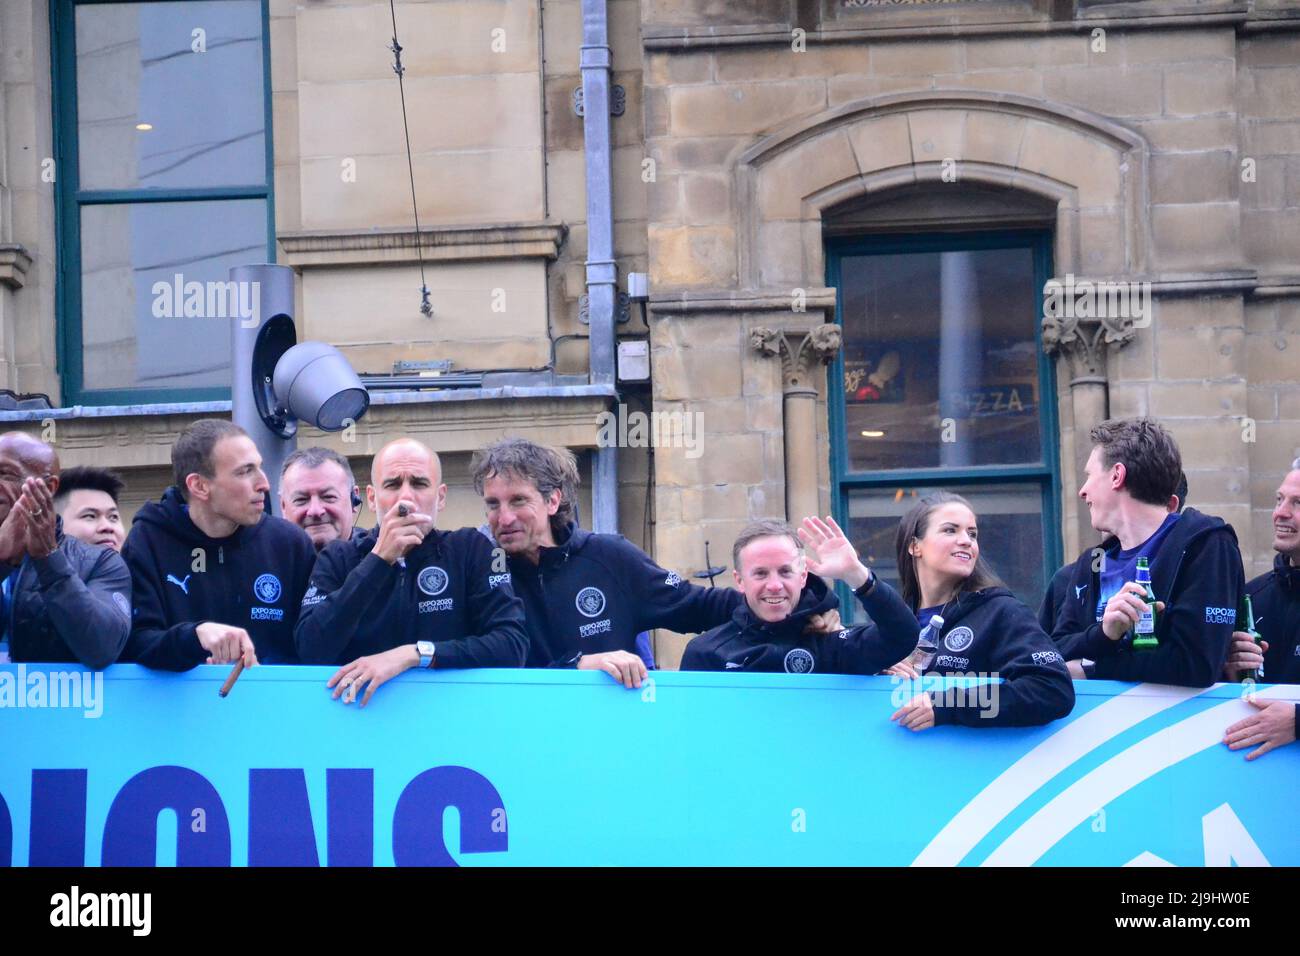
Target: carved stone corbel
(1085, 343)
(815, 349)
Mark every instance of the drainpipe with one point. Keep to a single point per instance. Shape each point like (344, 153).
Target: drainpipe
(602, 274)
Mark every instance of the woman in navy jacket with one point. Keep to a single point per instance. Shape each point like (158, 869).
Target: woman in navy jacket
(986, 630)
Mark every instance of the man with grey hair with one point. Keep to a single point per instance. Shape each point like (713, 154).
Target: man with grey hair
(586, 596)
(769, 631)
(1275, 600)
(319, 494)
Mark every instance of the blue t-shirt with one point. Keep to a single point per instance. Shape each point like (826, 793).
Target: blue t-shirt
(924, 614)
(1119, 567)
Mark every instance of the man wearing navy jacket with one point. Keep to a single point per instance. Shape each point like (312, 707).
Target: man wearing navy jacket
(406, 594)
(1275, 599)
(1059, 585)
(767, 633)
(587, 596)
(1195, 567)
(213, 577)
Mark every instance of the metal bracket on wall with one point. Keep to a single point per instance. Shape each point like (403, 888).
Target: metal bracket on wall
(622, 309)
(617, 101)
(409, 367)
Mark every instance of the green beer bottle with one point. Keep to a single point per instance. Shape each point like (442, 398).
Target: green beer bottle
(1254, 674)
(1144, 631)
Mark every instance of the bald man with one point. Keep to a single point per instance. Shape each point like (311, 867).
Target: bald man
(405, 594)
(63, 600)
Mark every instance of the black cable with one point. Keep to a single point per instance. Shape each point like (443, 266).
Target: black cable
(425, 307)
(646, 543)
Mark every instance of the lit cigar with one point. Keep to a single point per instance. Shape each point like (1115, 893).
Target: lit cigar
(402, 510)
(234, 676)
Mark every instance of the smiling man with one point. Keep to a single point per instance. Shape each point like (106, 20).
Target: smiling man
(319, 495)
(768, 632)
(214, 577)
(1131, 475)
(1275, 599)
(406, 594)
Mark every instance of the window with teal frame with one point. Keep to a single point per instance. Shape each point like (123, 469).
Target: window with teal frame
(162, 118)
(942, 383)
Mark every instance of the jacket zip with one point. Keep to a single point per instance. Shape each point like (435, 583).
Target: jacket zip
(401, 590)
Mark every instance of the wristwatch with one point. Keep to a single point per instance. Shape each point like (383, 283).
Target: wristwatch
(868, 586)
(425, 650)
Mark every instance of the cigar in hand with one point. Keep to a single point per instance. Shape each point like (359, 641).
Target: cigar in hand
(234, 676)
(402, 510)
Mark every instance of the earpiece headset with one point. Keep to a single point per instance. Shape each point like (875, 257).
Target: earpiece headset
(356, 497)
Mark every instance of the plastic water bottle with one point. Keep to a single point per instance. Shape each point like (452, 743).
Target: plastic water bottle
(926, 644)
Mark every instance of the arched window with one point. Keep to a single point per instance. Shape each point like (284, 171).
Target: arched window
(942, 382)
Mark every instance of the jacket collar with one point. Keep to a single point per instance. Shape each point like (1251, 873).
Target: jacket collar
(172, 515)
(1287, 575)
(570, 541)
(967, 602)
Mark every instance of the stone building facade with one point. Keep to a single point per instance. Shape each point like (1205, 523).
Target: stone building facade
(752, 144)
(1156, 142)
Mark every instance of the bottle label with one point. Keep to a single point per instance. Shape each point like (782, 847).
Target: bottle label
(1147, 622)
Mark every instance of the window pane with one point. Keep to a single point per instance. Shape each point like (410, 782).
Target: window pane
(1010, 532)
(937, 336)
(137, 65)
(134, 335)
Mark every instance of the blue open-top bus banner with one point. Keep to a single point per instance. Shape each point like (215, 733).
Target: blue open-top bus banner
(554, 767)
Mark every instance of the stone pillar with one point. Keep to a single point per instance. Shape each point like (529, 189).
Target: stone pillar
(799, 367)
(1084, 344)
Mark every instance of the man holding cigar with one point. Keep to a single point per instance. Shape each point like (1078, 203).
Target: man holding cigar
(63, 600)
(215, 578)
(405, 594)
